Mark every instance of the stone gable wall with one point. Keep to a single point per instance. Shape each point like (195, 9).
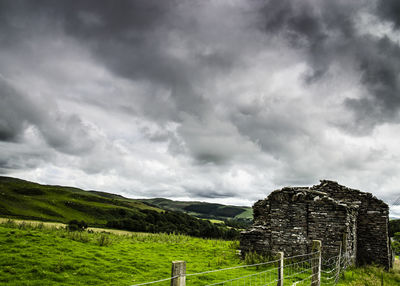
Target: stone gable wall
(372, 222)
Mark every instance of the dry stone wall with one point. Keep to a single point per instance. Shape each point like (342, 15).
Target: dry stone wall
(372, 222)
(290, 218)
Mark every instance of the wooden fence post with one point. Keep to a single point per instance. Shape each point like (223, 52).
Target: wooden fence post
(280, 269)
(178, 269)
(316, 263)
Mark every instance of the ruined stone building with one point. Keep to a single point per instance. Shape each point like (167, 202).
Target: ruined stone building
(290, 218)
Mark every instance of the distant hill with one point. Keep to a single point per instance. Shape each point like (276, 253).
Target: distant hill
(24, 199)
(27, 200)
(203, 209)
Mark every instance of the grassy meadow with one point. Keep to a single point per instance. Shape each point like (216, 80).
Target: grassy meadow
(47, 254)
(371, 276)
(41, 255)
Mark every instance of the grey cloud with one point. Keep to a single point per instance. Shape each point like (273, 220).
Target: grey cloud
(154, 43)
(316, 26)
(124, 34)
(276, 129)
(390, 10)
(17, 157)
(132, 40)
(214, 140)
(148, 42)
(325, 31)
(210, 193)
(379, 63)
(17, 112)
(161, 135)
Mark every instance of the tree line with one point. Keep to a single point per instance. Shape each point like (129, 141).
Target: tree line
(172, 222)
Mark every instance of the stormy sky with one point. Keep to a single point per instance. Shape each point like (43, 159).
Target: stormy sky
(220, 101)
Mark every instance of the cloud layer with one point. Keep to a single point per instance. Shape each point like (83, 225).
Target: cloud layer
(220, 101)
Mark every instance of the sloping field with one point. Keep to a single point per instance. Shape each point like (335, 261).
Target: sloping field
(23, 199)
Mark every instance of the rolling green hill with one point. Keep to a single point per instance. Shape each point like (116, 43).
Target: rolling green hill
(27, 200)
(23, 199)
(203, 209)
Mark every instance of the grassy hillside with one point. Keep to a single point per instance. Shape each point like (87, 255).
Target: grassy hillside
(203, 209)
(23, 199)
(27, 200)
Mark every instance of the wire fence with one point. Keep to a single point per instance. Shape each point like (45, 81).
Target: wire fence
(333, 267)
(265, 273)
(299, 270)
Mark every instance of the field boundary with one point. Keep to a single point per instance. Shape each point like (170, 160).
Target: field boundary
(305, 269)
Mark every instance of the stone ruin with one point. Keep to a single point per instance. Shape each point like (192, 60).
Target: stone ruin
(289, 219)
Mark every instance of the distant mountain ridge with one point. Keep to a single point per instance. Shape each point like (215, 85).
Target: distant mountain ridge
(203, 209)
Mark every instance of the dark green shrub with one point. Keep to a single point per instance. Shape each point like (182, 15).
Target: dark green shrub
(75, 225)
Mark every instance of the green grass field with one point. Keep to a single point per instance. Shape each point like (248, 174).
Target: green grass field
(47, 254)
(37, 255)
(371, 276)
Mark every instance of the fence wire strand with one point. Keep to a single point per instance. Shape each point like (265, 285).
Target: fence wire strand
(157, 281)
(297, 270)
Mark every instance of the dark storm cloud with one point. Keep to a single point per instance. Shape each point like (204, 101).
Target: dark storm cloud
(121, 33)
(158, 43)
(11, 122)
(326, 32)
(379, 62)
(151, 43)
(390, 10)
(18, 112)
(16, 158)
(126, 35)
(313, 26)
(134, 38)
